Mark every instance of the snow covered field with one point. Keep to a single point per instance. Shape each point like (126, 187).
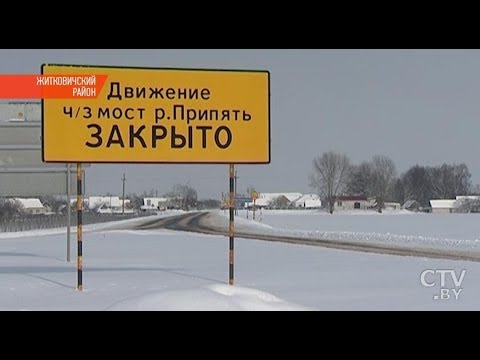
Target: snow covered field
(402, 228)
(168, 270)
(454, 226)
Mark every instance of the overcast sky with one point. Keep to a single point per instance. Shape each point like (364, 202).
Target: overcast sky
(415, 106)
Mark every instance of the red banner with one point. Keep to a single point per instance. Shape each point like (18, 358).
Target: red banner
(51, 86)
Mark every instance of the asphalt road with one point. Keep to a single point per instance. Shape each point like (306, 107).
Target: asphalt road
(206, 223)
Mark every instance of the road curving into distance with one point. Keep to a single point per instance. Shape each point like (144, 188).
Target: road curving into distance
(210, 223)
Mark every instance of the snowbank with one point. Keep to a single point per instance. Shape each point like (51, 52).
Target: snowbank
(215, 297)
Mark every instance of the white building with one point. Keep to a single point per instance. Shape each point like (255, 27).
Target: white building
(32, 206)
(392, 206)
(468, 197)
(155, 203)
(351, 202)
(443, 206)
(107, 204)
(290, 196)
(412, 205)
(309, 201)
(259, 203)
(105, 209)
(264, 199)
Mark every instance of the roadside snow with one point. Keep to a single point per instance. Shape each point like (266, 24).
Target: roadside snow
(111, 225)
(163, 269)
(215, 297)
(446, 231)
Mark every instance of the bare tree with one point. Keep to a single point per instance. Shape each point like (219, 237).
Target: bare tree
(280, 202)
(9, 208)
(383, 174)
(359, 179)
(150, 193)
(208, 204)
(398, 191)
(441, 181)
(184, 196)
(475, 190)
(135, 200)
(461, 179)
(329, 175)
(469, 205)
(448, 181)
(417, 185)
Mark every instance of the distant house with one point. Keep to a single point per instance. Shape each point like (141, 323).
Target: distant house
(372, 204)
(155, 203)
(32, 206)
(107, 204)
(276, 199)
(351, 202)
(106, 209)
(95, 202)
(392, 206)
(280, 202)
(48, 208)
(412, 205)
(309, 201)
(103, 209)
(468, 197)
(259, 203)
(443, 206)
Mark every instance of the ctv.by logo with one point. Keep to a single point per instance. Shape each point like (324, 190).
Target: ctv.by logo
(450, 282)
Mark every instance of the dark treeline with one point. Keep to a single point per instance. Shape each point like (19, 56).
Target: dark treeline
(334, 175)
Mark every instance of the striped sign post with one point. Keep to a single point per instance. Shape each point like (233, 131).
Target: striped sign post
(231, 224)
(79, 228)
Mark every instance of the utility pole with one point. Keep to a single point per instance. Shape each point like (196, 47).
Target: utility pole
(123, 194)
(235, 191)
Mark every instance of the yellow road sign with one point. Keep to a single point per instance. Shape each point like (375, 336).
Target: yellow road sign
(150, 115)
